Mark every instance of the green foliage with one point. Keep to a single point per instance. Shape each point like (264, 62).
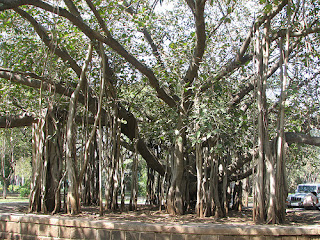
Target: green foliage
(24, 192)
(14, 188)
(303, 165)
(23, 168)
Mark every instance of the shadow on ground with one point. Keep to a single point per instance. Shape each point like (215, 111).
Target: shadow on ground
(150, 214)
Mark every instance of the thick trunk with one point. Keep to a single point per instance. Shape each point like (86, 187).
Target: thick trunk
(47, 165)
(54, 167)
(215, 196)
(259, 200)
(218, 212)
(37, 165)
(175, 201)
(73, 198)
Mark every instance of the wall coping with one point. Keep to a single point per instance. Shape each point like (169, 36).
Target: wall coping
(187, 228)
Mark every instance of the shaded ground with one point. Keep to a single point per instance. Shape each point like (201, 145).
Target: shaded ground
(153, 215)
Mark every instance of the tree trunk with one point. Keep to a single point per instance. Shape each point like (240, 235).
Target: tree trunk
(73, 198)
(54, 153)
(3, 169)
(122, 185)
(281, 192)
(37, 159)
(259, 203)
(5, 189)
(134, 183)
(245, 192)
(116, 174)
(100, 146)
(175, 201)
(225, 186)
(271, 218)
(46, 164)
(199, 167)
(216, 207)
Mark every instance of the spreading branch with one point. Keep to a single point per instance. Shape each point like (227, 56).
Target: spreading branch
(301, 138)
(240, 58)
(13, 121)
(96, 36)
(126, 128)
(200, 42)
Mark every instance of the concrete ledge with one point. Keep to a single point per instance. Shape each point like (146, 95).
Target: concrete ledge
(31, 226)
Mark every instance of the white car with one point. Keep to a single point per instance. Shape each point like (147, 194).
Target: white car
(307, 196)
(310, 201)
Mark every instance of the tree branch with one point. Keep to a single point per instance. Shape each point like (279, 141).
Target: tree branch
(302, 138)
(99, 18)
(42, 32)
(155, 51)
(200, 42)
(226, 70)
(127, 129)
(191, 5)
(114, 44)
(72, 8)
(249, 86)
(17, 121)
(295, 34)
(241, 58)
(10, 4)
(153, 162)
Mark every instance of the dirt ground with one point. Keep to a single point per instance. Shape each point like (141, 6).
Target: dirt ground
(295, 216)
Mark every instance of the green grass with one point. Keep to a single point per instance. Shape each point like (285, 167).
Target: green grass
(13, 198)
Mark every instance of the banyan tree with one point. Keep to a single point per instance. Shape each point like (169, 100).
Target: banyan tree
(206, 93)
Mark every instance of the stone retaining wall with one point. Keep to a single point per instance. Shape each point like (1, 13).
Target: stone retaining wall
(30, 226)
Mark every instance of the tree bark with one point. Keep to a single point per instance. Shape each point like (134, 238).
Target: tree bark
(134, 183)
(37, 158)
(175, 201)
(46, 164)
(199, 167)
(259, 203)
(73, 199)
(281, 148)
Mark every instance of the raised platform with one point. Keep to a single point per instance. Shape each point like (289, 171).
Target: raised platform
(31, 226)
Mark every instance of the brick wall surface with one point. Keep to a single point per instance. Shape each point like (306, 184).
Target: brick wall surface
(30, 226)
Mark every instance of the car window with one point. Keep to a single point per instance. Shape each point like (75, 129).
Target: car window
(306, 189)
